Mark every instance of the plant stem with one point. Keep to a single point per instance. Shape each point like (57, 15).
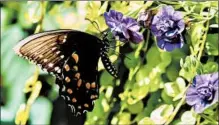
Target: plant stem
(198, 120)
(184, 95)
(177, 107)
(209, 119)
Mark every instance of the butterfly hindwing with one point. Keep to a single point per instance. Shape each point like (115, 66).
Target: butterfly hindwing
(78, 93)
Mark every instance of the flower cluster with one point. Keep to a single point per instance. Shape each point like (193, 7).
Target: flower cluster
(123, 28)
(167, 26)
(203, 92)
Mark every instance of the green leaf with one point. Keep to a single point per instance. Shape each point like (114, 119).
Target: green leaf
(175, 89)
(105, 75)
(146, 121)
(42, 116)
(93, 9)
(167, 99)
(103, 8)
(136, 108)
(14, 71)
(139, 91)
(210, 67)
(124, 118)
(190, 68)
(34, 11)
(98, 110)
(132, 61)
(153, 56)
(120, 6)
(23, 15)
(6, 16)
(172, 71)
(212, 44)
(196, 32)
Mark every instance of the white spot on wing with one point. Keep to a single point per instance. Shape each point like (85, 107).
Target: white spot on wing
(84, 111)
(50, 64)
(62, 56)
(63, 97)
(68, 98)
(63, 89)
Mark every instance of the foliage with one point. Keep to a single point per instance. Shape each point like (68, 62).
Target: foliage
(152, 83)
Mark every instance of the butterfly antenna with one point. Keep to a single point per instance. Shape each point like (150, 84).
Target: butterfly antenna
(118, 53)
(96, 25)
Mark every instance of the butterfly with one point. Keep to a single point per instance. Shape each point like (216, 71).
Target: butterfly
(72, 56)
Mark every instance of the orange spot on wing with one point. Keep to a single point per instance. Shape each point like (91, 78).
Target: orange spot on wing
(67, 79)
(86, 105)
(74, 100)
(79, 82)
(69, 91)
(67, 68)
(93, 85)
(75, 57)
(87, 85)
(77, 75)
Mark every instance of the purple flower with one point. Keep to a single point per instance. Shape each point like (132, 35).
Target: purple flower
(124, 28)
(167, 25)
(203, 92)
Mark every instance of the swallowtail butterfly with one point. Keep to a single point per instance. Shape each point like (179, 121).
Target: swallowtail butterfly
(72, 56)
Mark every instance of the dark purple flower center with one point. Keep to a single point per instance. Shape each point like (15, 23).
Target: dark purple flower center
(174, 38)
(119, 34)
(165, 24)
(206, 93)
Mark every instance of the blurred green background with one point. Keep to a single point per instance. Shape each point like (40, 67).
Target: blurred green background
(151, 82)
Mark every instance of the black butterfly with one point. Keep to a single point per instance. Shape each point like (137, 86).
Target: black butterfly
(72, 56)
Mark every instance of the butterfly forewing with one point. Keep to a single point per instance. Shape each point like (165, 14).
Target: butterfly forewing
(44, 49)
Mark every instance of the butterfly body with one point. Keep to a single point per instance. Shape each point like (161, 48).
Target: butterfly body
(73, 57)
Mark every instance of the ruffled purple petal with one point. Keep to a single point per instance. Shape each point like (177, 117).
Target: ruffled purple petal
(167, 45)
(181, 25)
(136, 37)
(199, 107)
(192, 99)
(170, 47)
(113, 18)
(126, 33)
(192, 96)
(167, 11)
(177, 16)
(156, 19)
(214, 79)
(201, 79)
(131, 24)
(155, 31)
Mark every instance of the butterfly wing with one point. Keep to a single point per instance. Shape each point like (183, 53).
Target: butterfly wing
(72, 56)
